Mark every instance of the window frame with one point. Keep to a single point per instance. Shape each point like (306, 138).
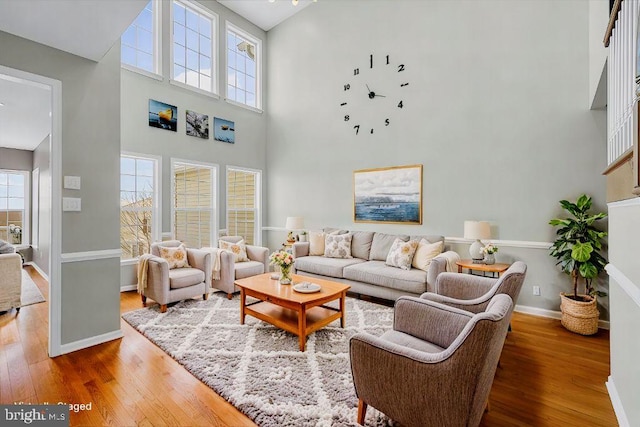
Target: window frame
(214, 93)
(26, 220)
(215, 217)
(229, 26)
(157, 45)
(257, 238)
(156, 211)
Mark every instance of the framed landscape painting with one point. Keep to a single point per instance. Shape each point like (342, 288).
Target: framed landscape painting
(197, 124)
(224, 130)
(391, 195)
(163, 116)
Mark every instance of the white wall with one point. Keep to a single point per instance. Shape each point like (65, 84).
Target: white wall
(496, 111)
(598, 21)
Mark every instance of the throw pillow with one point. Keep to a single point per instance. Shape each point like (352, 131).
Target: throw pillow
(175, 256)
(425, 253)
(238, 249)
(316, 243)
(381, 245)
(401, 253)
(337, 246)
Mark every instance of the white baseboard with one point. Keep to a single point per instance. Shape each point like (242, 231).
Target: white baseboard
(552, 314)
(90, 342)
(617, 403)
(38, 269)
(126, 288)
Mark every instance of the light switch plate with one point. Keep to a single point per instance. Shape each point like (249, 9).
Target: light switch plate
(71, 204)
(72, 182)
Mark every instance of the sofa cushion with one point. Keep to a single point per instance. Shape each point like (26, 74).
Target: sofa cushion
(361, 244)
(248, 269)
(431, 238)
(378, 273)
(401, 253)
(337, 245)
(382, 243)
(331, 267)
(316, 243)
(425, 253)
(238, 249)
(331, 230)
(176, 257)
(185, 277)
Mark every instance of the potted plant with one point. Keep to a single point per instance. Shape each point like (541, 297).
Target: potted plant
(302, 237)
(577, 248)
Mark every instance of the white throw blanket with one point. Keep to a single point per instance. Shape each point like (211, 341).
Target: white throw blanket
(215, 261)
(143, 267)
(451, 257)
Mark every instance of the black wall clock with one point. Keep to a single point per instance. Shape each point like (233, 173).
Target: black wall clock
(373, 93)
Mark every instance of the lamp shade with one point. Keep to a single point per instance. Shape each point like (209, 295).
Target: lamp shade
(477, 230)
(294, 223)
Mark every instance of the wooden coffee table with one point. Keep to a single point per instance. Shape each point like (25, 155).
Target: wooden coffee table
(295, 312)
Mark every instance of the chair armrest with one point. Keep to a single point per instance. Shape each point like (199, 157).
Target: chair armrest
(428, 320)
(437, 266)
(157, 280)
(300, 249)
(463, 286)
(202, 261)
(260, 254)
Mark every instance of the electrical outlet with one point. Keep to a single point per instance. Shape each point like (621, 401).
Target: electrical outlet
(536, 290)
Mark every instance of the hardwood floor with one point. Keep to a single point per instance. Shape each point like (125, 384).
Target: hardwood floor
(547, 376)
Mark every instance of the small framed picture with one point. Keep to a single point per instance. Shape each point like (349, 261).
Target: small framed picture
(163, 116)
(224, 130)
(197, 124)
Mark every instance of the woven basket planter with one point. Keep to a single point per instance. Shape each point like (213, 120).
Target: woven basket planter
(578, 316)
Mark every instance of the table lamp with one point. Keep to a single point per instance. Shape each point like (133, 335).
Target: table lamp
(292, 224)
(477, 230)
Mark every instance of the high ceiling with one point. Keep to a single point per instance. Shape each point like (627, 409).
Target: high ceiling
(264, 13)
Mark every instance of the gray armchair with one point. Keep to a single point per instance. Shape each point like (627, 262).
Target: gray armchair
(435, 368)
(230, 271)
(166, 286)
(473, 293)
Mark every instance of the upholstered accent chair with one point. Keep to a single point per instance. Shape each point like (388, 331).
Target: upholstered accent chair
(473, 293)
(10, 281)
(166, 285)
(435, 367)
(230, 271)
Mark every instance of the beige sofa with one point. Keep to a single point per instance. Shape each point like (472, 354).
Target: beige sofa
(366, 271)
(10, 281)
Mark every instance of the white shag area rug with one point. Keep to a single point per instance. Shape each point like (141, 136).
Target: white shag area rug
(258, 367)
(29, 293)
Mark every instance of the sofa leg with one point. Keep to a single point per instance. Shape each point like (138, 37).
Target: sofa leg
(229, 296)
(362, 411)
(205, 296)
(17, 310)
(144, 300)
(163, 308)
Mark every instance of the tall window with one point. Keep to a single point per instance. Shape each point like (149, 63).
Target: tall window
(243, 56)
(243, 204)
(139, 207)
(194, 205)
(140, 45)
(193, 46)
(14, 207)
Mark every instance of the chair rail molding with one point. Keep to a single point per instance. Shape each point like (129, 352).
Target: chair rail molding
(90, 255)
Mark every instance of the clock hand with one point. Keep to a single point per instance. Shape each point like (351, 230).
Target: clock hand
(367, 87)
(382, 96)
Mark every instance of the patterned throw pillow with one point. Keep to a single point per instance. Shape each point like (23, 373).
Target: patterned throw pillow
(238, 249)
(316, 243)
(176, 257)
(401, 253)
(337, 245)
(425, 253)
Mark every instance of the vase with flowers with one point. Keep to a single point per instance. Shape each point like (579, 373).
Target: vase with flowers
(284, 260)
(489, 250)
(16, 233)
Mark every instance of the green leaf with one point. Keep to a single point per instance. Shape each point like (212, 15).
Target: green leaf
(556, 222)
(588, 270)
(583, 202)
(581, 252)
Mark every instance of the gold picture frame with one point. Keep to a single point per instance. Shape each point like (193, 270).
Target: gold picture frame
(391, 195)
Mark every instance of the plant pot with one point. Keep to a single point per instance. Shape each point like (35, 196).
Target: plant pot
(302, 237)
(489, 259)
(580, 317)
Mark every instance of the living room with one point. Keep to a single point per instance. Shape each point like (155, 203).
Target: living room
(495, 99)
